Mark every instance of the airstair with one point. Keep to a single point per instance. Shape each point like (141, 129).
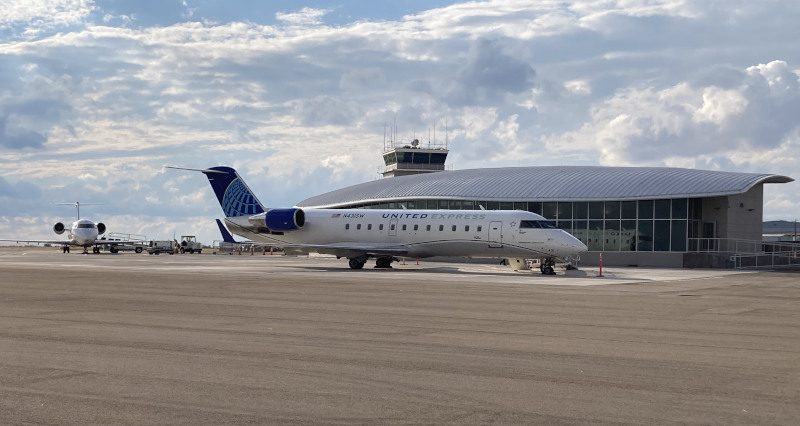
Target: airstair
(121, 236)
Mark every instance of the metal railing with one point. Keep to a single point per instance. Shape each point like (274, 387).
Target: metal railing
(751, 254)
(733, 245)
(773, 260)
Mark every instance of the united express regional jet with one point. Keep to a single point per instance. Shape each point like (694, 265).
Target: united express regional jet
(361, 234)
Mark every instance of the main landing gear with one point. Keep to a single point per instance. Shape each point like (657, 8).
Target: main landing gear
(381, 262)
(547, 266)
(65, 249)
(356, 263)
(384, 262)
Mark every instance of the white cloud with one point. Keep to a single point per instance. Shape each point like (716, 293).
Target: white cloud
(578, 87)
(40, 15)
(781, 80)
(719, 105)
(635, 126)
(306, 16)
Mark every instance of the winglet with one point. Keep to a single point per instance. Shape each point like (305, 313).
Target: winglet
(226, 235)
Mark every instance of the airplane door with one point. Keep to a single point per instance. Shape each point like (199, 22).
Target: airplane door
(393, 228)
(496, 234)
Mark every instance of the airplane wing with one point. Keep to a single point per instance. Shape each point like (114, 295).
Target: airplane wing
(346, 249)
(341, 249)
(68, 242)
(39, 241)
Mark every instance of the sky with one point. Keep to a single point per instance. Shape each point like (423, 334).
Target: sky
(96, 97)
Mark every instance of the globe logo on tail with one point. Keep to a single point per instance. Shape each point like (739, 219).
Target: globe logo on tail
(238, 201)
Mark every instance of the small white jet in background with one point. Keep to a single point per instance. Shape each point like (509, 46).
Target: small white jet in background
(83, 233)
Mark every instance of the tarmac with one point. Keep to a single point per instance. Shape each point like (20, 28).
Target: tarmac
(240, 339)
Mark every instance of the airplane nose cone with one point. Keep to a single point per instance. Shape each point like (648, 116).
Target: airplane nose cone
(573, 245)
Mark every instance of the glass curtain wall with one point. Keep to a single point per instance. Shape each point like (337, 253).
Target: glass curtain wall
(641, 225)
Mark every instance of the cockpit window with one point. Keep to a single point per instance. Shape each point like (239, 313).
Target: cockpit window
(86, 225)
(537, 224)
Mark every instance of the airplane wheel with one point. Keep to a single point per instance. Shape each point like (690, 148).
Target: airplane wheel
(549, 271)
(383, 262)
(67, 247)
(355, 264)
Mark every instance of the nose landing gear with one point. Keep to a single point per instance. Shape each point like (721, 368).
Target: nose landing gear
(547, 266)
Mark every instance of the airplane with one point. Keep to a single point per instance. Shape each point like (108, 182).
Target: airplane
(361, 234)
(83, 233)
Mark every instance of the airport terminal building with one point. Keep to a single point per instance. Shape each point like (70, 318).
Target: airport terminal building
(644, 216)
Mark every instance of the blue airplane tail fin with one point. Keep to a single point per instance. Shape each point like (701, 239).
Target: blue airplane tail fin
(233, 194)
(226, 235)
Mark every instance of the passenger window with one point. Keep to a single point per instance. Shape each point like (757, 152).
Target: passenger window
(428, 228)
(404, 227)
(369, 227)
(391, 227)
(358, 226)
(466, 228)
(441, 227)
(454, 228)
(479, 228)
(380, 227)
(416, 227)
(346, 226)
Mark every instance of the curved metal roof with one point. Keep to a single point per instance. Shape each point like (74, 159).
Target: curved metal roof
(550, 183)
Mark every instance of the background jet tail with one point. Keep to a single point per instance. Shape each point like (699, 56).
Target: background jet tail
(226, 235)
(233, 194)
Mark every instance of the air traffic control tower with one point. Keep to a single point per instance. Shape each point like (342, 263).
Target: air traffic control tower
(411, 159)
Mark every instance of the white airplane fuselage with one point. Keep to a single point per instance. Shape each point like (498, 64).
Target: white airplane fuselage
(420, 233)
(361, 234)
(83, 233)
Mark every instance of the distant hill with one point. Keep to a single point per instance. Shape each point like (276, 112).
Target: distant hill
(779, 227)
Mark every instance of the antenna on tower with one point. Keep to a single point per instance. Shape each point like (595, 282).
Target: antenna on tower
(446, 140)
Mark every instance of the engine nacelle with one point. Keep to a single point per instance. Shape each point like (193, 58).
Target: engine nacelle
(101, 228)
(59, 228)
(284, 219)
